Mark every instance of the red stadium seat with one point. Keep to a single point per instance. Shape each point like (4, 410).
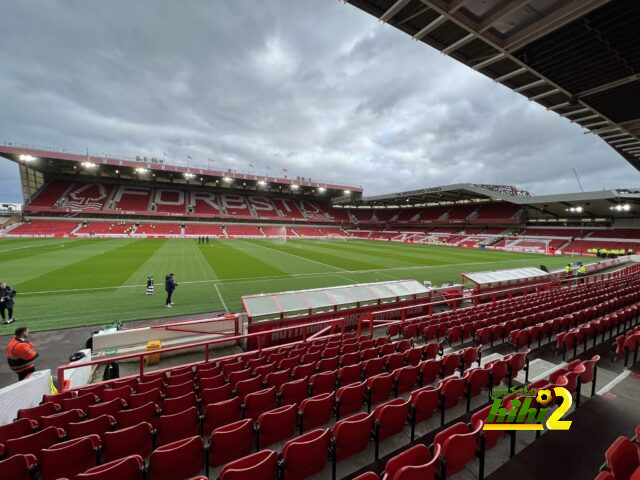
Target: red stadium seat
(413, 464)
(316, 411)
(57, 397)
(112, 393)
(152, 385)
(305, 455)
(180, 377)
(303, 371)
(476, 379)
(374, 366)
(431, 350)
(413, 356)
(393, 361)
(82, 402)
(135, 440)
(127, 468)
(33, 443)
(245, 387)
(276, 379)
(110, 407)
(211, 381)
(323, 382)
(238, 376)
(67, 459)
(178, 426)
(146, 413)
(405, 379)
(276, 425)
(491, 437)
(17, 467)
(259, 402)
(34, 413)
(450, 363)
(221, 413)
(230, 442)
(622, 458)
(350, 374)
(260, 465)
(180, 389)
(96, 426)
(389, 419)
(139, 399)
(350, 399)
(216, 394)
(15, 429)
(499, 370)
(293, 392)
(179, 404)
(367, 476)
(263, 370)
(178, 460)
(327, 364)
(349, 359)
(429, 371)
(379, 389)
(458, 446)
(350, 436)
(62, 419)
(453, 389)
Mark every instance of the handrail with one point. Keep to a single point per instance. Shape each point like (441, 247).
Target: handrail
(206, 344)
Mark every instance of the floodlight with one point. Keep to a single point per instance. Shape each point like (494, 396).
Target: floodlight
(226, 179)
(295, 187)
(141, 170)
(26, 158)
(347, 192)
(189, 175)
(89, 165)
(322, 189)
(262, 182)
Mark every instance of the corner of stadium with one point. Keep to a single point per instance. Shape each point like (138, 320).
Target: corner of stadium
(315, 331)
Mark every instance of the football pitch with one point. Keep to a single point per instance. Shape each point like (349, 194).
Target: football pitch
(64, 283)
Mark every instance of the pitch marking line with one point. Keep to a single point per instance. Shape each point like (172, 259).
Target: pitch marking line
(275, 277)
(226, 309)
(56, 245)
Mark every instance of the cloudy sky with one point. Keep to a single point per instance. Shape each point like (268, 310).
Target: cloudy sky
(317, 87)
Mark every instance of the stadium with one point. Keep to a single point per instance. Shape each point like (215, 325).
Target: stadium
(314, 330)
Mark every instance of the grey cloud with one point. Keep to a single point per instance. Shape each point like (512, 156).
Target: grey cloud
(319, 88)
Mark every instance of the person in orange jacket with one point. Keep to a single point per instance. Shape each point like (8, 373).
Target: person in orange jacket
(21, 353)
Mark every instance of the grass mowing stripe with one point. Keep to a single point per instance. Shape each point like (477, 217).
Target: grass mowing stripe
(300, 257)
(228, 261)
(107, 268)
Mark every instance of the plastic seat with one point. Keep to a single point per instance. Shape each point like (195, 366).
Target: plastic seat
(350, 374)
(33, 443)
(390, 419)
(324, 382)
(258, 466)
(367, 476)
(232, 366)
(431, 350)
(67, 459)
(146, 413)
(245, 387)
(316, 411)
(276, 379)
(350, 399)
(499, 370)
(413, 356)
(62, 419)
(457, 448)
(238, 376)
(57, 397)
(491, 437)
(470, 355)
(139, 399)
(179, 404)
(216, 394)
(111, 407)
(430, 370)
(374, 366)
(180, 389)
(135, 440)
(177, 460)
(294, 392)
(180, 378)
(349, 359)
(424, 402)
(178, 426)
(311, 357)
(15, 429)
(276, 425)
(405, 379)
(453, 389)
(305, 455)
(386, 349)
(327, 364)
(112, 393)
(34, 413)
(230, 442)
(379, 388)
(82, 402)
(393, 361)
(303, 371)
(221, 413)
(476, 379)
(415, 463)
(259, 402)
(152, 385)
(211, 381)
(289, 362)
(153, 376)
(350, 436)
(17, 467)
(95, 426)
(450, 363)
(263, 370)
(622, 458)
(127, 468)
(368, 354)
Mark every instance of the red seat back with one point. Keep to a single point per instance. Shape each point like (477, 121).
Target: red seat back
(177, 460)
(230, 442)
(305, 455)
(316, 411)
(276, 425)
(260, 465)
(221, 413)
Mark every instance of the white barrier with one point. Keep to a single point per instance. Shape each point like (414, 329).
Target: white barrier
(25, 394)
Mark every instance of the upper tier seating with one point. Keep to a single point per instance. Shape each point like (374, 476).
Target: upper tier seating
(50, 194)
(497, 211)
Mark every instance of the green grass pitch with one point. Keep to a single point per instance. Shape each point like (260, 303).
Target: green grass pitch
(75, 282)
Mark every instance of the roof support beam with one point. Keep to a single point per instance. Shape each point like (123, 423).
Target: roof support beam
(612, 142)
(455, 45)
(431, 27)
(606, 129)
(506, 76)
(560, 105)
(455, 5)
(489, 61)
(582, 119)
(529, 85)
(544, 94)
(628, 144)
(610, 85)
(607, 137)
(595, 124)
(580, 110)
(507, 8)
(393, 10)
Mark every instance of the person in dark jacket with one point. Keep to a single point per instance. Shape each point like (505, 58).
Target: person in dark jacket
(6, 302)
(21, 353)
(170, 286)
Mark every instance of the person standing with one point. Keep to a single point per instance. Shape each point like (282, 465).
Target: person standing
(170, 286)
(7, 295)
(21, 353)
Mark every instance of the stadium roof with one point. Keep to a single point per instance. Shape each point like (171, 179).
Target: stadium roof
(147, 168)
(578, 58)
